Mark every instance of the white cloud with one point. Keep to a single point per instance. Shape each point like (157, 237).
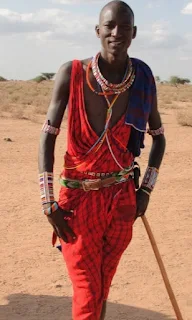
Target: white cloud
(14, 22)
(49, 24)
(76, 1)
(185, 52)
(49, 37)
(187, 9)
(78, 29)
(159, 36)
(184, 58)
(154, 4)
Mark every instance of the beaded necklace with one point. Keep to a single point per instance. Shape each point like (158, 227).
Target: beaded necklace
(106, 90)
(109, 88)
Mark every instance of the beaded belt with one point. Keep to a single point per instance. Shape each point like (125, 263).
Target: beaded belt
(96, 184)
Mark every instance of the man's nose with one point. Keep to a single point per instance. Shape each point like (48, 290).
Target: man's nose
(115, 31)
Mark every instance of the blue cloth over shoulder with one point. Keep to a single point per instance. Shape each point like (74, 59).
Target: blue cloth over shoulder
(142, 94)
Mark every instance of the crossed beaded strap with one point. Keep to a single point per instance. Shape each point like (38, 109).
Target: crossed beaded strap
(106, 90)
(108, 118)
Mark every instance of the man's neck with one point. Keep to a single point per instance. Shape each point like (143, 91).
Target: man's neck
(113, 65)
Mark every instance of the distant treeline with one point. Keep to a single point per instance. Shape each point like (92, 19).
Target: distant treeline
(174, 80)
(50, 76)
(42, 77)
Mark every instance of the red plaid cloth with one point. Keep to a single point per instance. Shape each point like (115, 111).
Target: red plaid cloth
(102, 220)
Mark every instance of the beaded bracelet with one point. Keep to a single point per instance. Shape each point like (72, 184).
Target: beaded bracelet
(46, 187)
(47, 128)
(150, 178)
(51, 209)
(156, 132)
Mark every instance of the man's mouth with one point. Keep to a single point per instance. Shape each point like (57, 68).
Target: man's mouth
(116, 43)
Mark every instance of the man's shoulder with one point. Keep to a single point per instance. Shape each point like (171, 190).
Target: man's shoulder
(66, 68)
(142, 64)
(85, 62)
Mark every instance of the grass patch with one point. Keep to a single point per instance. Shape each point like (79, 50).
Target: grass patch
(28, 99)
(184, 118)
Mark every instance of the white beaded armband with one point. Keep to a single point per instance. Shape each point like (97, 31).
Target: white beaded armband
(46, 187)
(156, 132)
(47, 128)
(150, 178)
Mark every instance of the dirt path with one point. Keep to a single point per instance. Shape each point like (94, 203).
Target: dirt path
(33, 277)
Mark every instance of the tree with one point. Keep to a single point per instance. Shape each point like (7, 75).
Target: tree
(2, 79)
(185, 80)
(39, 79)
(176, 80)
(48, 76)
(44, 76)
(157, 79)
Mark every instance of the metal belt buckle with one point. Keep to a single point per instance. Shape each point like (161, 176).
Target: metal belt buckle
(89, 185)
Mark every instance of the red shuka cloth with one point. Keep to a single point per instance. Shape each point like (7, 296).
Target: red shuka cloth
(102, 220)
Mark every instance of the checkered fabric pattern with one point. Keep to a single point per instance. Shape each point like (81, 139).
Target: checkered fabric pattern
(102, 220)
(141, 97)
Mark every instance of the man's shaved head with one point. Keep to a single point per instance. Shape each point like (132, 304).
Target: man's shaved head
(116, 28)
(117, 3)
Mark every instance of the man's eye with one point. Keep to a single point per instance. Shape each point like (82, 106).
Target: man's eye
(126, 27)
(109, 26)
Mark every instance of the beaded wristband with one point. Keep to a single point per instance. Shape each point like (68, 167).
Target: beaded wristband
(150, 178)
(47, 128)
(53, 207)
(156, 132)
(46, 187)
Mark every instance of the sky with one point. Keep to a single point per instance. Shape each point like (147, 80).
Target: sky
(40, 35)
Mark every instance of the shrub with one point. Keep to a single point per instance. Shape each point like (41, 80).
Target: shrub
(157, 79)
(39, 79)
(2, 79)
(184, 118)
(48, 76)
(176, 80)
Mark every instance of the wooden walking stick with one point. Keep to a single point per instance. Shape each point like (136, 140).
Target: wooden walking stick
(162, 269)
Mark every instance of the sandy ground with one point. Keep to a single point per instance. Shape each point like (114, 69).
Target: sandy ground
(33, 278)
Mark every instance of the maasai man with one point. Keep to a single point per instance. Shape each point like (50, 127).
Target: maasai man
(111, 102)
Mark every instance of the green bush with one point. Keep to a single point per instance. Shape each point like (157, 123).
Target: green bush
(157, 79)
(39, 79)
(48, 76)
(176, 80)
(43, 77)
(2, 79)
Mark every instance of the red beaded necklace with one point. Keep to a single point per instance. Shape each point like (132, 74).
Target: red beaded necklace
(109, 88)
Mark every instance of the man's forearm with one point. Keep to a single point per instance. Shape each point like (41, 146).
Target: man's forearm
(46, 153)
(157, 151)
(155, 159)
(46, 162)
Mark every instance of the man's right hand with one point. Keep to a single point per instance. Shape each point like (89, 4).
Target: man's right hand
(60, 226)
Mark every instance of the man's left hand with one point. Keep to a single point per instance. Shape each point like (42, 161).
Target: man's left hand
(142, 201)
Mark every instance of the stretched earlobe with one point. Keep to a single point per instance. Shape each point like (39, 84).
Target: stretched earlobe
(97, 31)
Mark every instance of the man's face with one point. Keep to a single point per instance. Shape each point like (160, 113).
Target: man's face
(116, 30)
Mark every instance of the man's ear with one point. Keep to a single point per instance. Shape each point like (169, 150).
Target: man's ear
(97, 31)
(134, 32)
